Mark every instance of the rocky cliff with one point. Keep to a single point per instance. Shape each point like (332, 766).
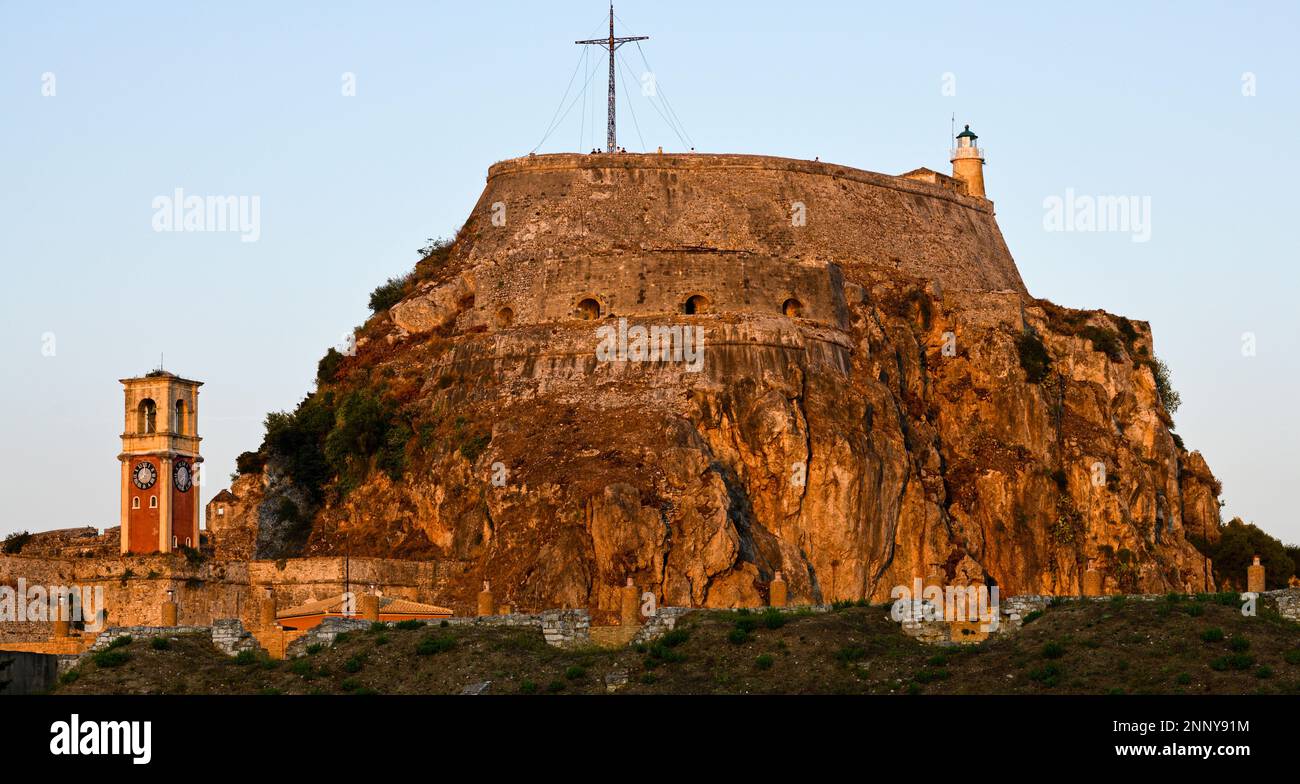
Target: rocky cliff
(875, 397)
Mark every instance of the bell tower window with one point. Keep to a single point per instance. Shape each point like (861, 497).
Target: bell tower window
(178, 425)
(147, 419)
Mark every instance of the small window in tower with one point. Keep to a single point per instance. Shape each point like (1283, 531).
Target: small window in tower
(792, 308)
(588, 310)
(696, 304)
(188, 542)
(174, 543)
(178, 424)
(153, 502)
(221, 511)
(505, 317)
(147, 417)
(135, 502)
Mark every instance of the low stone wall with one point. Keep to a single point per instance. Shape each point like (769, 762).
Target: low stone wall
(106, 637)
(561, 628)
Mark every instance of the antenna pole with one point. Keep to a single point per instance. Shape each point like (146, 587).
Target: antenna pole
(612, 44)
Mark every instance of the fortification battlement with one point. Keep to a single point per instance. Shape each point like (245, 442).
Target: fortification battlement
(729, 162)
(615, 214)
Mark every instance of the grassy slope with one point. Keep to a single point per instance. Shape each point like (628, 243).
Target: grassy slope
(1095, 648)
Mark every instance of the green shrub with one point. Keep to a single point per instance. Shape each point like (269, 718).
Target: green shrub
(111, 657)
(674, 638)
(1237, 544)
(774, 619)
(15, 542)
(409, 624)
(1212, 635)
(1239, 644)
(328, 367)
(1032, 616)
(353, 664)
(69, 677)
(648, 678)
(302, 668)
(738, 636)
(1049, 675)
(245, 658)
(471, 448)
(388, 294)
(1034, 359)
(1104, 340)
(746, 623)
(160, 644)
(1053, 650)
(555, 686)
(315, 648)
(1183, 679)
(1264, 672)
(1165, 385)
(435, 644)
(851, 653)
(1292, 657)
(350, 684)
(121, 642)
(270, 691)
(764, 661)
(250, 463)
(574, 672)
(929, 676)
(1194, 610)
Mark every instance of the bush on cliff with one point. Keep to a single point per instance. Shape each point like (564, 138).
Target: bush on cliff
(328, 367)
(389, 293)
(1165, 385)
(250, 463)
(15, 542)
(1034, 359)
(1104, 340)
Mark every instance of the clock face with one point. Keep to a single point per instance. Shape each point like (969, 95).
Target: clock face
(182, 475)
(145, 475)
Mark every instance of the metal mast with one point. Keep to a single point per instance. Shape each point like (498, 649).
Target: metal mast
(612, 44)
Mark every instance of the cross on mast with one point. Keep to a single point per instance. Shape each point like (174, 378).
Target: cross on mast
(612, 44)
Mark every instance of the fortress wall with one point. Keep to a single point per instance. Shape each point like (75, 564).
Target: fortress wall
(134, 588)
(561, 359)
(566, 207)
(640, 284)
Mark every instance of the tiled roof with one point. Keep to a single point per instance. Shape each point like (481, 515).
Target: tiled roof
(387, 606)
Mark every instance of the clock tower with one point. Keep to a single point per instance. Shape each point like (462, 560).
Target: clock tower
(160, 457)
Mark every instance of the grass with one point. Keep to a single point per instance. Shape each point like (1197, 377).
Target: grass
(1073, 648)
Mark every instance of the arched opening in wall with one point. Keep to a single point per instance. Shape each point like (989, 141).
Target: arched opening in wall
(505, 317)
(792, 308)
(146, 417)
(695, 305)
(588, 310)
(178, 422)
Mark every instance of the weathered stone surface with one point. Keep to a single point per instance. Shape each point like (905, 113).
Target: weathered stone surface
(880, 429)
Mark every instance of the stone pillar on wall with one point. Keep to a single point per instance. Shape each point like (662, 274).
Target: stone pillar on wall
(485, 602)
(630, 606)
(266, 610)
(368, 606)
(1092, 581)
(778, 591)
(62, 626)
(1255, 577)
(169, 609)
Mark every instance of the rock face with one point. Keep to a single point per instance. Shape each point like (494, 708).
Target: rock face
(875, 397)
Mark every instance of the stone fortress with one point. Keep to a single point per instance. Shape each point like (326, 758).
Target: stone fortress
(833, 447)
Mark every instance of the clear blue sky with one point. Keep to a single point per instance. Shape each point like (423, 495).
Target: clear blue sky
(245, 98)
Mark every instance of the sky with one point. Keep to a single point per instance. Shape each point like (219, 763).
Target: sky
(361, 129)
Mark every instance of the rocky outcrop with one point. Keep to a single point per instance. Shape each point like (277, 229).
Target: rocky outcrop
(885, 426)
